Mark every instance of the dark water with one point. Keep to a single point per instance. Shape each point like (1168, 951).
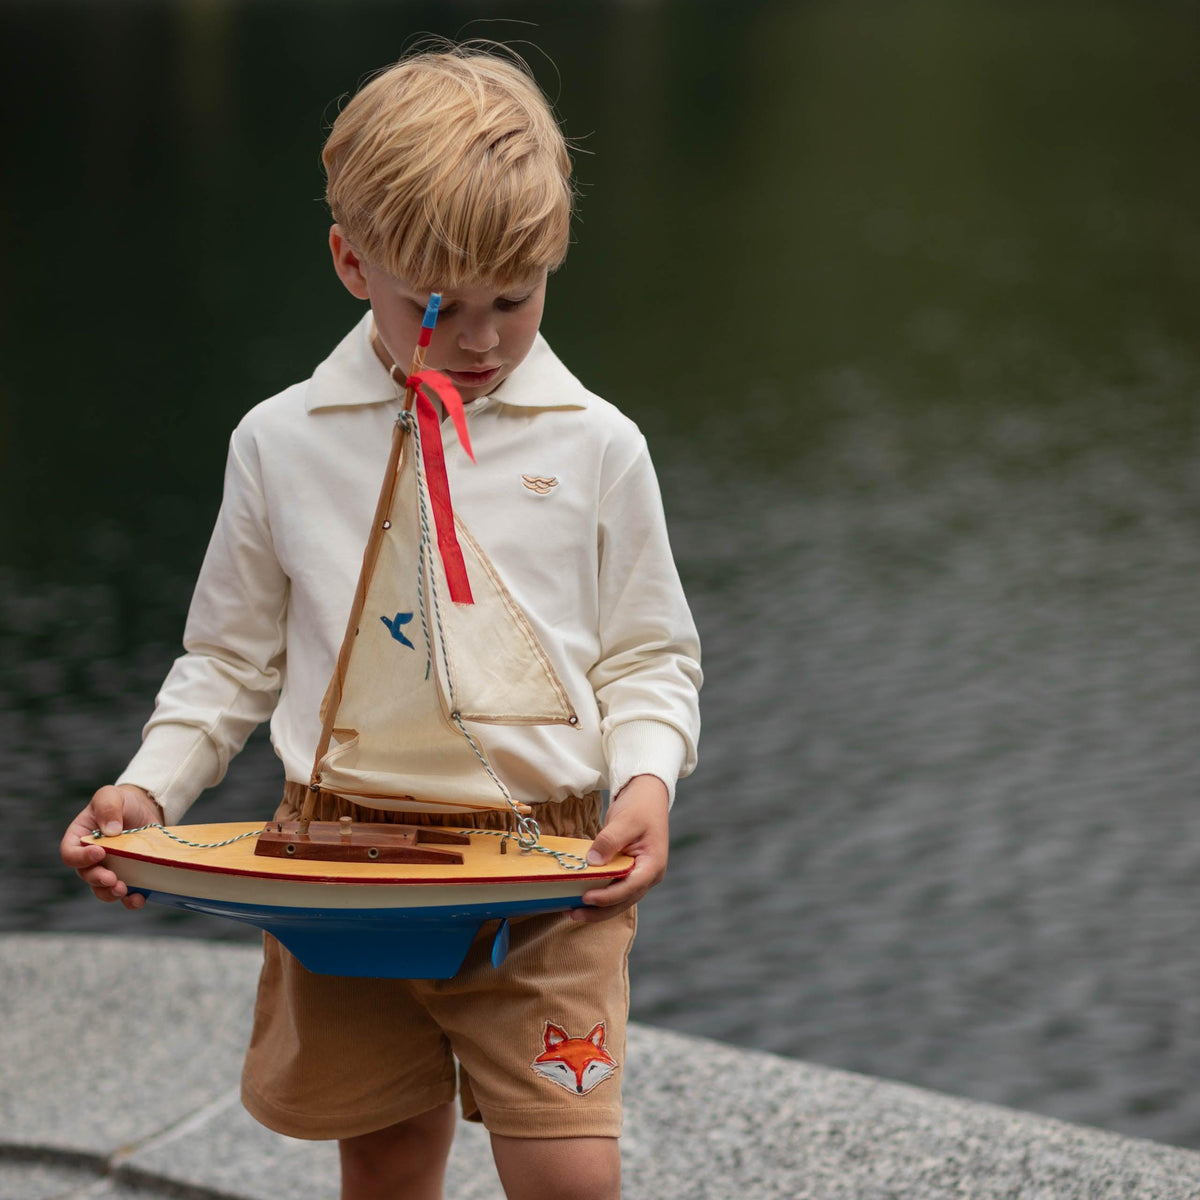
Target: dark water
(905, 296)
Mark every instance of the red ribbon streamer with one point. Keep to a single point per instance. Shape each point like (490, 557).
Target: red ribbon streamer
(434, 456)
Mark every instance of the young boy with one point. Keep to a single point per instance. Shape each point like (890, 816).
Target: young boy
(447, 172)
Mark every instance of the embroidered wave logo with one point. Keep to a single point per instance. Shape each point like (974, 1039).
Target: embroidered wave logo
(540, 483)
(577, 1064)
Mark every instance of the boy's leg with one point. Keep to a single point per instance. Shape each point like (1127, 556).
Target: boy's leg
(333, 1058)
(407, 1159)
(540, 1040)
(580, 1168)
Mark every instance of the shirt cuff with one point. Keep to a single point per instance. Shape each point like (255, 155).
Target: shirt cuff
(645, 748)
(175, 764)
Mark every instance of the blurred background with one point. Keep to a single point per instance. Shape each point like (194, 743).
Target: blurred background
(904, 295)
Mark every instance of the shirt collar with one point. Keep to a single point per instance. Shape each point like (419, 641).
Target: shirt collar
(353, 375)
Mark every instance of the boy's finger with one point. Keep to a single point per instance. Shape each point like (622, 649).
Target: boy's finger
(108, 806)
(603, 907)
(599, 899)
(79, 855)
(593, 916)
(616, 836)
(624, 892)
(110, 885)
(606, 844)
(98, 877)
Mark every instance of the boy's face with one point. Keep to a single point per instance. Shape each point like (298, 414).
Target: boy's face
(483, 333)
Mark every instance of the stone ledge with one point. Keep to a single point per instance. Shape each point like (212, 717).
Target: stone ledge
(122, 1055)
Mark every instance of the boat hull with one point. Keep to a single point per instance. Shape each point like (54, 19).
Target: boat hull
(430, 942)
(394, 921)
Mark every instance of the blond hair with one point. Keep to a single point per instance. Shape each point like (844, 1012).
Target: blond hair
(449, 168)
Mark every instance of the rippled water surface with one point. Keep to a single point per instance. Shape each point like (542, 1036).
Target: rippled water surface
(904, 296)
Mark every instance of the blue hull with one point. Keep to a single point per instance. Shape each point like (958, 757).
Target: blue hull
(405, 943)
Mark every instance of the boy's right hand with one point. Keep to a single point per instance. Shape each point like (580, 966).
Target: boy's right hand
(111, 810)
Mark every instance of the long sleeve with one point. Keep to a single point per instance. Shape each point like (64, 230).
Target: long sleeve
(647, 677)
(229, 679)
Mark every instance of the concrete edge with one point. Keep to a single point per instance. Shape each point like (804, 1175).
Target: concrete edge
(704, 1118)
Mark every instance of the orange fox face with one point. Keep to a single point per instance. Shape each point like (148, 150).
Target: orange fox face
(577, 1064)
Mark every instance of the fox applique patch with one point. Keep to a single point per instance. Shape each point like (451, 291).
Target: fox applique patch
(577, 1064)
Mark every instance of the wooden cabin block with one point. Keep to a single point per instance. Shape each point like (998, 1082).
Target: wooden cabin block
(360, 841)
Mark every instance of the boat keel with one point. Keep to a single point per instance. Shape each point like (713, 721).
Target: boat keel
(397, 943)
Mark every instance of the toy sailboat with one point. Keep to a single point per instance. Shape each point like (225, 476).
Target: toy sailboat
(434, 640)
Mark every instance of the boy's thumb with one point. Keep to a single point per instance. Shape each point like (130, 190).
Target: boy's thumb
(109, 806)
(602, 849)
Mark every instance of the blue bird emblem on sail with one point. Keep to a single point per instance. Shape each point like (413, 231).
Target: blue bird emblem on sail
(394, 628)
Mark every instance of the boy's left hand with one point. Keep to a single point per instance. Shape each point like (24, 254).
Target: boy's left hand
(637, 825)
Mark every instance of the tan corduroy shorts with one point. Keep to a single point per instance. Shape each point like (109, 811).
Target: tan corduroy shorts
(539, 1042)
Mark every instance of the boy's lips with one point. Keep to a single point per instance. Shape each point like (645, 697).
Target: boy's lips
(473, 378)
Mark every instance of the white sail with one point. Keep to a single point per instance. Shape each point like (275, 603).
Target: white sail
(495, 669)
(420, 664)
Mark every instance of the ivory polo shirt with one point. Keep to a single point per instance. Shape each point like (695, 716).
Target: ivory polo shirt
(587, 559)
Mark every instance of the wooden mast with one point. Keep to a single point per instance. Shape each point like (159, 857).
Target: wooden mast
(379, 527)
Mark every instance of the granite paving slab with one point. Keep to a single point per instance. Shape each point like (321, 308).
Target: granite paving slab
(115, 1191)
(711, 1122)
(122, 1055)
(230, 1154)
(33, 1180)
(107, 1041)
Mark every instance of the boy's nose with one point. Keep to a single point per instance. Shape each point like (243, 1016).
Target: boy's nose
(478, 337)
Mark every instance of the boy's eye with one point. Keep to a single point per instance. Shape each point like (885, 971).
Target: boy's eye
(446, 310)
(503, 304)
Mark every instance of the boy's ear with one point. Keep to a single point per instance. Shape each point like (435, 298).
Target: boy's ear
(347, 264)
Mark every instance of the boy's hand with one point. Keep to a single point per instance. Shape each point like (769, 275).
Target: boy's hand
(111, 810)
(637, 825)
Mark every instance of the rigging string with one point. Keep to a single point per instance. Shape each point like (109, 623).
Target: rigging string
(526, 837)
(410, 425)
(559, 856)
(183, 841)
(426, 431)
